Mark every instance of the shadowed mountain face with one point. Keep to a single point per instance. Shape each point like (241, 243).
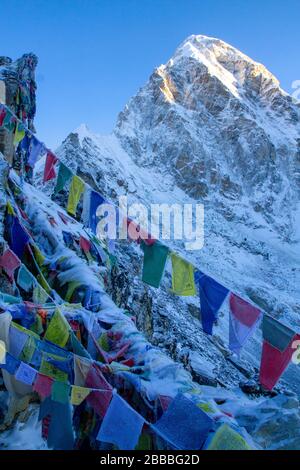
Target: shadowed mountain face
(220, 124)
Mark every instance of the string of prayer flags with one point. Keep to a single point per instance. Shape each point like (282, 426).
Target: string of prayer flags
(19, 133)
(212, 296)
(155, 258)
(184, 425)
(76, 190)
(36, 149)
(18, 238)
(121, 425)
(243, 320)
(49, 170)
(9, 262)
(95, 201)
(25, 374)
(63, 178)
(79, 394)
(277, 351)
(226, 438)
(183, 282)
(58, 330)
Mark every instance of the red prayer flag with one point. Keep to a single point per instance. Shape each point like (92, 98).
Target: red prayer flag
(9, 262)
(98, 400)
(85, 244)
(42, 385)
(274, 363)
(49, 171)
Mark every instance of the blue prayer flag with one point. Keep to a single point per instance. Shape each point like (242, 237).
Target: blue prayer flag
(212, 295)
(184, 425)
(95, 201)
(121, 426)
(18, 238)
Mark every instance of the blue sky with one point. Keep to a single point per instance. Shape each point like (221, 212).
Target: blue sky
(95, 54)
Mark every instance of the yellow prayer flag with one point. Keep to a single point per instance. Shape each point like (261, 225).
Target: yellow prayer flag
(58, 330)
(19, 134)
(10, 209)
(183, 282)
(2, 352)
(76, 189)
(78, 394)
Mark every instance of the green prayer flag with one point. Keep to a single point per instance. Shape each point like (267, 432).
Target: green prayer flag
(60, 391)
(58, 330)
(183, 282)
(155, 257)
(46, 368)
(63, 177)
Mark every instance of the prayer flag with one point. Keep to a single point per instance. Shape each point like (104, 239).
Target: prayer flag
(184, 425)
(9, 262)
(226, 438)
(276, 334)
(79, 394)
(243, 320)
(155, 258)
(42, 385)
(49, 171)
(98, 400)
(11, 364)
(121, 425)
(76, 190)
(183, 282)
(85, 244)
(35, 150)
(18, 238)
(58, 330)
(19, 133)
(2, 115)
(25, 374)
(95, 201)
(63, 178)
(60, 391)
(212, 295)
(60, 431)
(25, 279)
(17, 341)
(274, 362)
